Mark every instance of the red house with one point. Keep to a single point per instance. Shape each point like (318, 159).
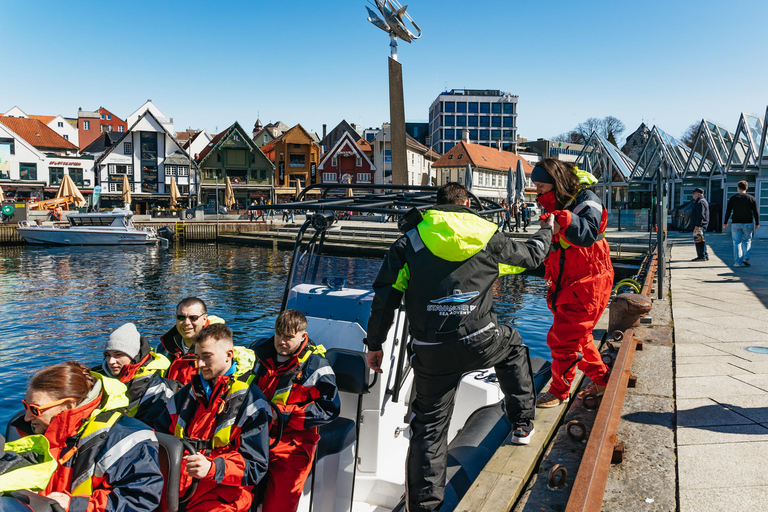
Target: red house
(92, 124)
(346, 162)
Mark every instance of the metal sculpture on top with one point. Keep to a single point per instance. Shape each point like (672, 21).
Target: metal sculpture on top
(393, 22)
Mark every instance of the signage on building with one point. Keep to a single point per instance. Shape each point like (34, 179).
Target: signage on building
(61, 162)
(346, 153)
(313, 172)
(282, 172)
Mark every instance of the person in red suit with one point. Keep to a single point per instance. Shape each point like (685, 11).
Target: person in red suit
(579, 273)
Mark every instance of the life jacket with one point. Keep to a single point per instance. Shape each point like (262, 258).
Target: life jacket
(237, 390)
(79, 460)
(183, 360)
(138, 380)
(286, 381)
(34, 477)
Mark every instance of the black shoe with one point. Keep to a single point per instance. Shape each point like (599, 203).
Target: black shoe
(522, 432)
(746, 263)
(700, 258)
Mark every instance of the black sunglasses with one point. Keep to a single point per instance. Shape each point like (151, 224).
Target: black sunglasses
(192, 318)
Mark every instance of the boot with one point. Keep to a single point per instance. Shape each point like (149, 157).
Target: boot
(701, 251)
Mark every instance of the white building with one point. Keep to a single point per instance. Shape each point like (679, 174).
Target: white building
(167, 122)
(151, 158)
(420, 159)
(67, 128)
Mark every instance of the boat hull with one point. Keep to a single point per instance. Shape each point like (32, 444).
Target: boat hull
(65, 236)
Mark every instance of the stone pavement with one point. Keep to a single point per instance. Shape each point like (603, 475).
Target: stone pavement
(721, 387)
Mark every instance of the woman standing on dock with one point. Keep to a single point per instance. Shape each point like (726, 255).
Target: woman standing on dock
(579, 273)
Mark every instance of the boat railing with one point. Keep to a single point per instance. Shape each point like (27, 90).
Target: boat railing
(26, 224)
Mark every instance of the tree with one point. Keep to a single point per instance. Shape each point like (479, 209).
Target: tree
(609, 127)
(612, 128)
(689, 135)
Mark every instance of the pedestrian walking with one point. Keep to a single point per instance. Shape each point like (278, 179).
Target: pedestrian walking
(746, 220)
(517, 215)
(525, 213)
(700, 221)
(506, 225)
(444, 267)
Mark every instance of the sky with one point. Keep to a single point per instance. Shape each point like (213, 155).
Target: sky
(208, 64)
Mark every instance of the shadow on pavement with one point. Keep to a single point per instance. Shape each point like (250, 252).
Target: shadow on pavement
(692, 417)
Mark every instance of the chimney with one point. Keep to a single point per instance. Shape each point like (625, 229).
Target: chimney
(465, 135)
(498, 145)
(325, 126)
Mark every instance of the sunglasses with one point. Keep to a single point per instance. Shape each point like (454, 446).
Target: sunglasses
(38, 410)
(192, 318)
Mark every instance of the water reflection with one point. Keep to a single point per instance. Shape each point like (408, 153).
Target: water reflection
(59, 304)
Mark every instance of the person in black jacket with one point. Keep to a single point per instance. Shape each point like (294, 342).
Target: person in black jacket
(744, 209)
(445, 267)
(700, 221)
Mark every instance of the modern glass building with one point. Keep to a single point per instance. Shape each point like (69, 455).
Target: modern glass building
(490, 116)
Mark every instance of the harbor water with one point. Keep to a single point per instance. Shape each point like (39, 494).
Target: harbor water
(60, 303)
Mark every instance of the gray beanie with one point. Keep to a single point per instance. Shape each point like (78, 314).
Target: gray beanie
(125, 339)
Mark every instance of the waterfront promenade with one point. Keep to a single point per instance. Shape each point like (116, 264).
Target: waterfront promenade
(721, 388)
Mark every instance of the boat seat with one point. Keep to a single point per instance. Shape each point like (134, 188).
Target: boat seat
(335, 436)
(171, 453)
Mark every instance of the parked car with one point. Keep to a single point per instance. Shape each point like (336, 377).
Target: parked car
(207, 210)
(534, 209)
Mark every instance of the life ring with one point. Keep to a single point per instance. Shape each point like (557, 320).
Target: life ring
(8, 209)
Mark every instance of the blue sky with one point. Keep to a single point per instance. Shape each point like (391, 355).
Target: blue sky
(207, 64)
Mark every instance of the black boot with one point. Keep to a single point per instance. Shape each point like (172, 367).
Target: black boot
(701, 251)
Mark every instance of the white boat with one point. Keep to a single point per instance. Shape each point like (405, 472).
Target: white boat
(103, 228)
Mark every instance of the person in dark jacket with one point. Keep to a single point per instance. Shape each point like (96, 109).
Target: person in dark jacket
(295, 376)
(226, 417)
(177, 344)
(107, 461)
(700, 221)
(445, 267)
(746, 220)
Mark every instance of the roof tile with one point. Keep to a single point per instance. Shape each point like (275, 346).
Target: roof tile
(37, 134)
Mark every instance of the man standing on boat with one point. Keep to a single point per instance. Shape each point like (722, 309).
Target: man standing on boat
(445, 266)
(177, 344)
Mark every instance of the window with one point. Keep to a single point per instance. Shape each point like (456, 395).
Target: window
(507, 134)
(472, 134)
(296, 146)
(56, 175)
(170, 170)
(109, 127)
(484, 135)
(120, 169)
(485, 121)
(148, 146)
(66, 137)
(449, 121)
(485, 108)
(28, 171)
(473, 108)
(450, 157)
(363, 177)
(109, 117)
(509, 108)
(496, 121)
(183, 170)
(60, 124)
(461, 106)
(359, 161)
(126, 148)
(299, 160)
(266, 138)
(447, 146)
(508, 122)
(149, 179)
(461, 120)
(472, 121)
(387, 156)
(120, 129)
(77, 176)
(449, 134)
(496, 108)
(86, 125)
(102, 116)
(495, 134)
(7, 147)
(450, 106)
(334, 161)
(329, 177)
(113, 187)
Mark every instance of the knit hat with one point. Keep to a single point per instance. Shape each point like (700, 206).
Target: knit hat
(125, 339)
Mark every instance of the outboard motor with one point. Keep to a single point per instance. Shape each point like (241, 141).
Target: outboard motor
(165, 232)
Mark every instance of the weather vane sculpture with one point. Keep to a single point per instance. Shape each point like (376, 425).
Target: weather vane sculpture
(393, 22)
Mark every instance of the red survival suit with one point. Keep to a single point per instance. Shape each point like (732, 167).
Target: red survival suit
(230, 427)
(304, 390)
(183, 360)
(581, 276)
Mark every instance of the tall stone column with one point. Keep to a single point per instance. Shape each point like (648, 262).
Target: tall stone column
(397, 124)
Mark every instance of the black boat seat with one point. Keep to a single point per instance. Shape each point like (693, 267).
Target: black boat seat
(171, 453)
(335, 437)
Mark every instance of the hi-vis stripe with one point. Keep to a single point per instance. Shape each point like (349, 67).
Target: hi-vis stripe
(315, 377)
(121, 448)
(416, 241)
(588, 204)
(251, 410)
(83, 484)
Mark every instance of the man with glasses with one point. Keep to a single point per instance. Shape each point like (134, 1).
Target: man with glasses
(177, 344)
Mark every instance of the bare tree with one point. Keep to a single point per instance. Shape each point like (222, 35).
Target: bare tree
(612, 128)
(570, 137)
(689, 135)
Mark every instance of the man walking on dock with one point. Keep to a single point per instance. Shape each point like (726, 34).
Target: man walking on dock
(746, 220)
(700, 221)
(445, 266)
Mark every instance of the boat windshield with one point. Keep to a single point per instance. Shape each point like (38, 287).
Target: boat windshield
(338, 271)
(90, 221)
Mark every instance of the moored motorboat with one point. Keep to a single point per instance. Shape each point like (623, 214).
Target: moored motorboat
(98, 228)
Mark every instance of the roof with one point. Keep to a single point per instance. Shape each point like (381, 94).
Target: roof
(43, 119)
(364, 144)
(478, 155)
(36, 133)
(214, 142)
(103, 142)
(346, 140)
(268, 147)
(335, 134)
(220, 137)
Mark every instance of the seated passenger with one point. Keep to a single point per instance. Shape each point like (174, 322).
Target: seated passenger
(191, 317)
(294, 374)
(129, 358)
(226, 419)
(118, 471)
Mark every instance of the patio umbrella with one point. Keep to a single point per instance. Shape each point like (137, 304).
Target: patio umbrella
(350, 193)
(468, 178)
(298, 188)
(2, 195)
(126, 191)
(520, 180)
(510, 186)
(69, 189)
(175, 194)
(229, 194)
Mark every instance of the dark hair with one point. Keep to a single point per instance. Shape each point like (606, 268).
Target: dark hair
(452, 193)
(64, 380)
(566, 181)
(191, 301)
(699, 190)
(215, 331)
(743, 185)
(290, 322)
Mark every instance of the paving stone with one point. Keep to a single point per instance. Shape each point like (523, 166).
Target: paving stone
(741, 499)
(740, 462)
(715, 359)
(701, 387)
(697, 349)
(703, 412)
(729, 334)
(760, 381)
(706, 369)
(753, 432)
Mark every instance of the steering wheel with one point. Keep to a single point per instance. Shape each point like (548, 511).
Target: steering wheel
(193, 486)
(280, 425)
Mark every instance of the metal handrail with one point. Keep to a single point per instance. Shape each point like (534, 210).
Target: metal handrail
(589, 485)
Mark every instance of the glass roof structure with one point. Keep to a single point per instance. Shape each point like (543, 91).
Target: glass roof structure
(749, 148)
(661, 150)
(603, 159)
(710, 151)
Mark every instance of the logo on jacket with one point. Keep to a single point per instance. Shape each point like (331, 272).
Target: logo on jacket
(456, 297)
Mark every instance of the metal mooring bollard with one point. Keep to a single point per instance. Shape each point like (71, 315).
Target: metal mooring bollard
(626, 310)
